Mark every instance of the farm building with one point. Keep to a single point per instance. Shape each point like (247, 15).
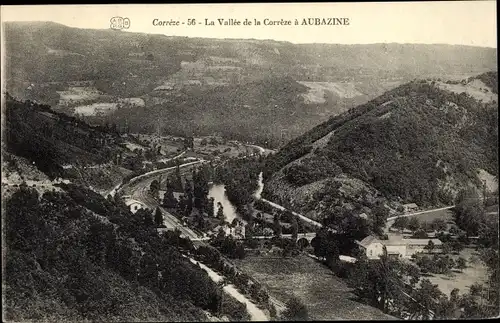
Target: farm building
(410, 207)
(395, 246)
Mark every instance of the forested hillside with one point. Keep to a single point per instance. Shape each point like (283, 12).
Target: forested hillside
(262, 91)
(421, 142)
(51, 140)
(73, 256)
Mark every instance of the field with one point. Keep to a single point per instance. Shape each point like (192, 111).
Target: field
(77, 93)
(317, 90)
(326, 296)
(220, 147)
(475, 89)
(476, 272)
(445, 215)
(96, 108)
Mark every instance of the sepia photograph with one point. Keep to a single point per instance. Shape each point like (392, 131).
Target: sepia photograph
(250, 162)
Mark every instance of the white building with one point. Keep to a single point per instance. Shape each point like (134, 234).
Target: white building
(410, 207)
(134, 205)
(396, 246)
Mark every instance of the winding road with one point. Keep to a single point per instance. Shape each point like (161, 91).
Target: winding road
(138, 189)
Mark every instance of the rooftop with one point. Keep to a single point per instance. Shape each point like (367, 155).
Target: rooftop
(397, 240)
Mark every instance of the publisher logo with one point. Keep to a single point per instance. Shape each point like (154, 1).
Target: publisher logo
(119, 23)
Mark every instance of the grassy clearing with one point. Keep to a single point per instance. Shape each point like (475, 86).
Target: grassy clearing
(96, 108)
(341, 89)
(477, 89)
(326, 296)
(445, 215)
(476, 272)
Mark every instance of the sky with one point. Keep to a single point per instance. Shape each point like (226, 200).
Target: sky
(445, 22)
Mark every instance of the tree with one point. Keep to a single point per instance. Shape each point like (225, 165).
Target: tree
(169, 200)
(430, 246)
(426, 298)
(295, 310)
(277, 225)
(439, 225)
(420, 234)
(381, 282)
(147, 216)
(400, 223)
(461, 264)
(295, 228)
(210, 207)
(413, 224)
(426, 265)
(468, 212)
(220, 211)
(457, 246)
(154, 188)
(158, 217)
(379, 217)
(447, 248)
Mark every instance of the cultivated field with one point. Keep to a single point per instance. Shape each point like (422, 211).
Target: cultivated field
(326, 296)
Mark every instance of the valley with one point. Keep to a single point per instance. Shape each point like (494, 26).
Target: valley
(162, 178)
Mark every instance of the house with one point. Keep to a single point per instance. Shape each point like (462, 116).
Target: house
(410, 207)
(396, 246)
(134, 205)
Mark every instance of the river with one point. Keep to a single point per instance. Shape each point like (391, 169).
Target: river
(217, 191)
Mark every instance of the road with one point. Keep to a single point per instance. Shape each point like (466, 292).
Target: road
(258, 195)
(256, 314)
(138, 189)
(119, 186)
(390, 221)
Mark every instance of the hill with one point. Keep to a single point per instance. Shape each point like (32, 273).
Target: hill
(52, 140)
(419, 143)
(154, 78)
(70, 254)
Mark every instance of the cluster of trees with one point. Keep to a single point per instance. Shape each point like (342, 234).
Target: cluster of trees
(194, 201)
(240, 177)
(295, 310)
(414, 224)
(107, 257)
(284, 222)
(440, 264)
(469, 213)
(490, 79)
(348, 227)
(397, 288)
(228, 245)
